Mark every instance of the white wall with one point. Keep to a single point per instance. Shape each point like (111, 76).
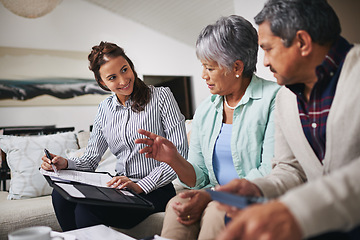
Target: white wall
(347, 11)
(77, 25)
(248, 10)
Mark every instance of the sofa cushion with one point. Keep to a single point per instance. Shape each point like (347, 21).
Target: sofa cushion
(188, 124)
(148, 227)
(23, 155)
(16, 214)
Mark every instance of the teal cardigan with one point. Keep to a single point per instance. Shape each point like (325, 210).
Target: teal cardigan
(252, 140)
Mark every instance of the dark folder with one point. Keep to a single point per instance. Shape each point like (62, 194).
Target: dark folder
(101, 195)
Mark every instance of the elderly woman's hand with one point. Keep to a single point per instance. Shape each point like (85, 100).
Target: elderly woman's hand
(161, 149)
(191, 211)
(157, 147)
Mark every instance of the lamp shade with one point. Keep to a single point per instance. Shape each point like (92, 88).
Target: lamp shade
(30, 8)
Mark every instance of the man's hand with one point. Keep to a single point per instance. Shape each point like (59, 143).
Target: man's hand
(240, 187)
(191, 211)
(270, 221)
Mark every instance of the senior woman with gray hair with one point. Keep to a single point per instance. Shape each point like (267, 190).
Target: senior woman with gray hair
(232, 130)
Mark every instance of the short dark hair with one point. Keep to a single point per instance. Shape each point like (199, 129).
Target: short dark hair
(141, 93)
(286, 17)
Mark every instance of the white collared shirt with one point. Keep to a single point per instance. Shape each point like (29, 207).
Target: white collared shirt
(116, 126)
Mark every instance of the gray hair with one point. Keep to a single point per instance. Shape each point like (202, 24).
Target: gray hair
(286, 17)
(229, 39)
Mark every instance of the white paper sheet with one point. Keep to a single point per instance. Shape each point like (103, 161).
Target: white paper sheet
(90, 178)
(99, 232)
(64, 236)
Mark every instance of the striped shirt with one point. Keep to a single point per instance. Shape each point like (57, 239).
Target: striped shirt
(314, 113)
(115, 127)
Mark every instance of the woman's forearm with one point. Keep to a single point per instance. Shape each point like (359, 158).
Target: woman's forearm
(184, 170)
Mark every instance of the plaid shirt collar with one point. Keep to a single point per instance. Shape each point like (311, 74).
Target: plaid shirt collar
(328, 67)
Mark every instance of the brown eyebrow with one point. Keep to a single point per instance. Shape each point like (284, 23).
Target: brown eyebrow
(124, 66)
(110, 76)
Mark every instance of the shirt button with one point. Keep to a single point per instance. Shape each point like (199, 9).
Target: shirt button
(313, 125)
(331, 74)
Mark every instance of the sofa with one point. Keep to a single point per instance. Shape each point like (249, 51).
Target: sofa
(28, 202)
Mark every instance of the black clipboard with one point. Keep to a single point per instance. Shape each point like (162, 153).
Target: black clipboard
(104, 196)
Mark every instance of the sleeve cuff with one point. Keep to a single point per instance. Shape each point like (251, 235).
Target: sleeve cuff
(71, 164)
(146, 185)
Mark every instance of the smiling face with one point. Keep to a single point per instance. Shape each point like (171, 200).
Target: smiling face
(117, 75)
(219, 81)
(284, 62)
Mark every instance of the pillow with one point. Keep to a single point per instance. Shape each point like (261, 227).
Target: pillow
(108, 163)
(188, 123)
(83, 138)
(108, 160)
(23, 155)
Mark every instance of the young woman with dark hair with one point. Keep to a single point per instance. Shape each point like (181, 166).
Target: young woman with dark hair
(133, 105)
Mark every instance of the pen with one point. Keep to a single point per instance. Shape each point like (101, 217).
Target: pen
(52, 164)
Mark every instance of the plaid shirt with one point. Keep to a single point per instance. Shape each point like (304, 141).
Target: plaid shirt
(314, 113)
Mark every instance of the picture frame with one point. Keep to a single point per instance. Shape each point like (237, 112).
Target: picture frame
(31, 65)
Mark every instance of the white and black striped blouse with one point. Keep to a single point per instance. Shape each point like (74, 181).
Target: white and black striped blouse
(116, 126)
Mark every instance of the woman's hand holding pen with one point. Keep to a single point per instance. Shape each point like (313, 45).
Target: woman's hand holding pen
(58, 161)
(122, 182)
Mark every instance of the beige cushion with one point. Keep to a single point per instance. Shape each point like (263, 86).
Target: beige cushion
(149, 227)
(83, 138)
(188, 129)
(16, 214)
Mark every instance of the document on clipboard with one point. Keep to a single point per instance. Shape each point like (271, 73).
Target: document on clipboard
(90, 178)
(90, 188)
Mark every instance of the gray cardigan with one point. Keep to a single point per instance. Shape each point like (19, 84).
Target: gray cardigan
(321, 197)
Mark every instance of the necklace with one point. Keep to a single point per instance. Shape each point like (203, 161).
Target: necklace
(226, 103)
